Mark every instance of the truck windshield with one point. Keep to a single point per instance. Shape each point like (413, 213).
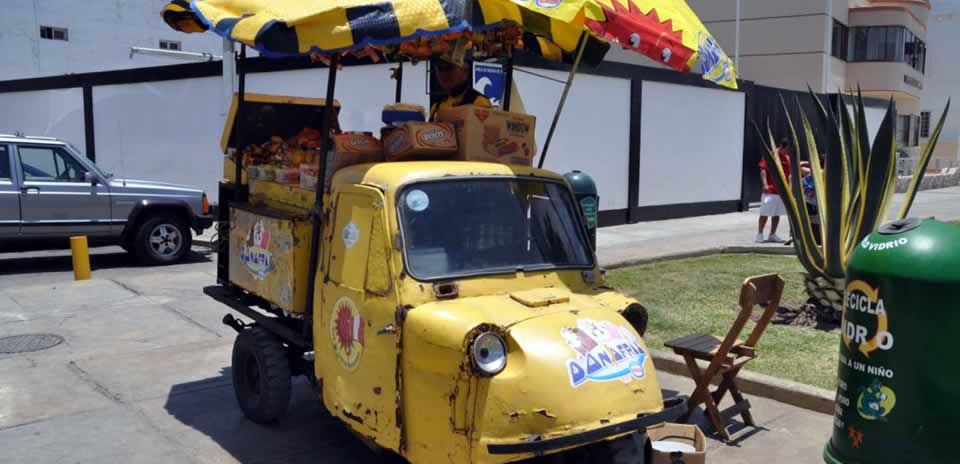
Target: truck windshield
(463, 227)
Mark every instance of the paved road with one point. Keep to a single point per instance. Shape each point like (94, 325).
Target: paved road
(143, 376)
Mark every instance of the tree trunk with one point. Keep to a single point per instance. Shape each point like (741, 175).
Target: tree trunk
(828, 293)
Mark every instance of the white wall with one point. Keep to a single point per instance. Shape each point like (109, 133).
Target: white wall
(593, 134)
(691, 144)
(361, 90)
(164, 131)
(100, 36)
(49, 113)
(874, 117)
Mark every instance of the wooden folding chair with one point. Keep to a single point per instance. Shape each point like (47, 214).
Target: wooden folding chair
(728, 355)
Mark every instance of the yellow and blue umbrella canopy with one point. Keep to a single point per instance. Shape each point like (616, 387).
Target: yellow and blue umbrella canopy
(295, 27)
(665, 30)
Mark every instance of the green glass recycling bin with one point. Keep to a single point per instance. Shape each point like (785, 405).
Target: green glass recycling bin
(585, 191)
(898, 382)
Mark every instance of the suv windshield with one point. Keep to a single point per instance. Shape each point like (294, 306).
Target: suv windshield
(456, 228)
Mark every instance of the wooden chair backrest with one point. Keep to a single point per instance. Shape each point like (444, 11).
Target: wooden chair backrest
(765, 290)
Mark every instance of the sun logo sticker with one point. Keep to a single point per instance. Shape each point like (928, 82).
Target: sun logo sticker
(346, 333)
(876, 401)
(255, 251)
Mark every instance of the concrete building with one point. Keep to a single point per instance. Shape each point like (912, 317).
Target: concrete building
(942, 83)
(830, 45)
(54, 37)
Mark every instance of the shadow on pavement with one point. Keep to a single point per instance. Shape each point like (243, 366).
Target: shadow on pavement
(12, 262)
(307, 434)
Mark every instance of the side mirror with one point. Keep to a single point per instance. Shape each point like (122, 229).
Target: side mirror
(88, 177)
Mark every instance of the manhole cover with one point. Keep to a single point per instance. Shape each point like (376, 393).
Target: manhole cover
(28, 342)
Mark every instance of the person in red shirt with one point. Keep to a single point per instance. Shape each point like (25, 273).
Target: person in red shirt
(771, 205)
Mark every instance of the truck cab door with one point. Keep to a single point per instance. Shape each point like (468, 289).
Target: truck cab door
(55, 197)
(9, 195)
(356, 337)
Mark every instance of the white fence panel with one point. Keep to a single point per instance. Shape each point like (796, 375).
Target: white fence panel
(162, 131)
(593, 134)
(691, 144)
(48, 113)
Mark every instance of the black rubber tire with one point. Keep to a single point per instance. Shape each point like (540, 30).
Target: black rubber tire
(261, 375)
(141, 240)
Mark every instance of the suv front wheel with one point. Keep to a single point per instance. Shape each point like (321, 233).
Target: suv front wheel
(162, 239)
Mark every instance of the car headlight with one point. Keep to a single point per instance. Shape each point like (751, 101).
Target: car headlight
(489, 353)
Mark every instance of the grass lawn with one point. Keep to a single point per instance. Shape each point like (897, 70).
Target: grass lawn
(699, 295)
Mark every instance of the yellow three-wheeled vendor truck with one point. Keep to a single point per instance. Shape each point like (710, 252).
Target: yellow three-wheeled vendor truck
(439, 292)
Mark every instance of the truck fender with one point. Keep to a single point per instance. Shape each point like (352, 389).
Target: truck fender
(144, 207)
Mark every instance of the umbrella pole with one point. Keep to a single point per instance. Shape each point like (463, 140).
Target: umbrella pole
(317, 213)
(237, 130)
(399, 77)
(563, 98)
(508, 89)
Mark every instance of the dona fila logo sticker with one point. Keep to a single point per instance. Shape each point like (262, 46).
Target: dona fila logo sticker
(604, 352)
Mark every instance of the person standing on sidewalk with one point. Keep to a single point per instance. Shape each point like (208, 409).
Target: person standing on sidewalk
(771, 205)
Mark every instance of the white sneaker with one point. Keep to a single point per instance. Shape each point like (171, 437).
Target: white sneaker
(759, 238)
(774, 239)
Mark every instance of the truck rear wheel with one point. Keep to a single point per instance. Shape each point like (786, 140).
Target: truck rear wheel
(261, 375)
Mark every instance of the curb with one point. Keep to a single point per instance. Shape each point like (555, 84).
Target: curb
(785, 391)
(740, 249)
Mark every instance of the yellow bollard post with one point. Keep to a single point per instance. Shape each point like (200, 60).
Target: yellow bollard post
(81, 258)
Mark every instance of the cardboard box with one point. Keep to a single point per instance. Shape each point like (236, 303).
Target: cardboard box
(420, 140)
(354, 148)
(682, 434)
(485, 134)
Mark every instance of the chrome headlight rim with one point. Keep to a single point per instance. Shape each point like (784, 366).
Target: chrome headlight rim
(485, 345)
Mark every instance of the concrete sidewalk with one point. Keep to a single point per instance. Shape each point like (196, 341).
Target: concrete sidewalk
(630, 243)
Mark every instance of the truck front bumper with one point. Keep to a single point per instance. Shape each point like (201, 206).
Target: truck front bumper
(673, 408)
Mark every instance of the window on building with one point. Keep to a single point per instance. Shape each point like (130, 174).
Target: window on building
(886, 43)
(903, 130)
(915, 127)
(54, 33)
(170, 45)
(925, 124)
(841, 40)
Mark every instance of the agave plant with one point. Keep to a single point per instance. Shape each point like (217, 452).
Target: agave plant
(854, 188)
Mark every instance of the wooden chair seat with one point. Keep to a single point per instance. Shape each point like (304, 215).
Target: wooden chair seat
(705, 347)
(727, 356)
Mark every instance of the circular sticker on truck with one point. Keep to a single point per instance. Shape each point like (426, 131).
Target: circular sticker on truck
(346, 333)
(417, 200)
(350, 235)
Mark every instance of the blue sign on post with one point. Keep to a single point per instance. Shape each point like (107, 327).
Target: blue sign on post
(491, 81)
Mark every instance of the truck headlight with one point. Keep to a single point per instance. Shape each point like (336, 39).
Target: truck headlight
(489, 353)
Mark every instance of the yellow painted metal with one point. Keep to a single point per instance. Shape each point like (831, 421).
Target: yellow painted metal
(269, 252)
(285, 197)
(356, 336)
(393, 358)
(540, 297)
(80, 253)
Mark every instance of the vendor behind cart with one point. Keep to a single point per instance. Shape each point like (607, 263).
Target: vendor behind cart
(455, 79)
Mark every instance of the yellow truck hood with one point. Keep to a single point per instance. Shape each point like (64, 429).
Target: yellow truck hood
(573, 364)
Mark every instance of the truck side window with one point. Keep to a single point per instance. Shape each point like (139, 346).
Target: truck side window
(4, 163)
(49, 164)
